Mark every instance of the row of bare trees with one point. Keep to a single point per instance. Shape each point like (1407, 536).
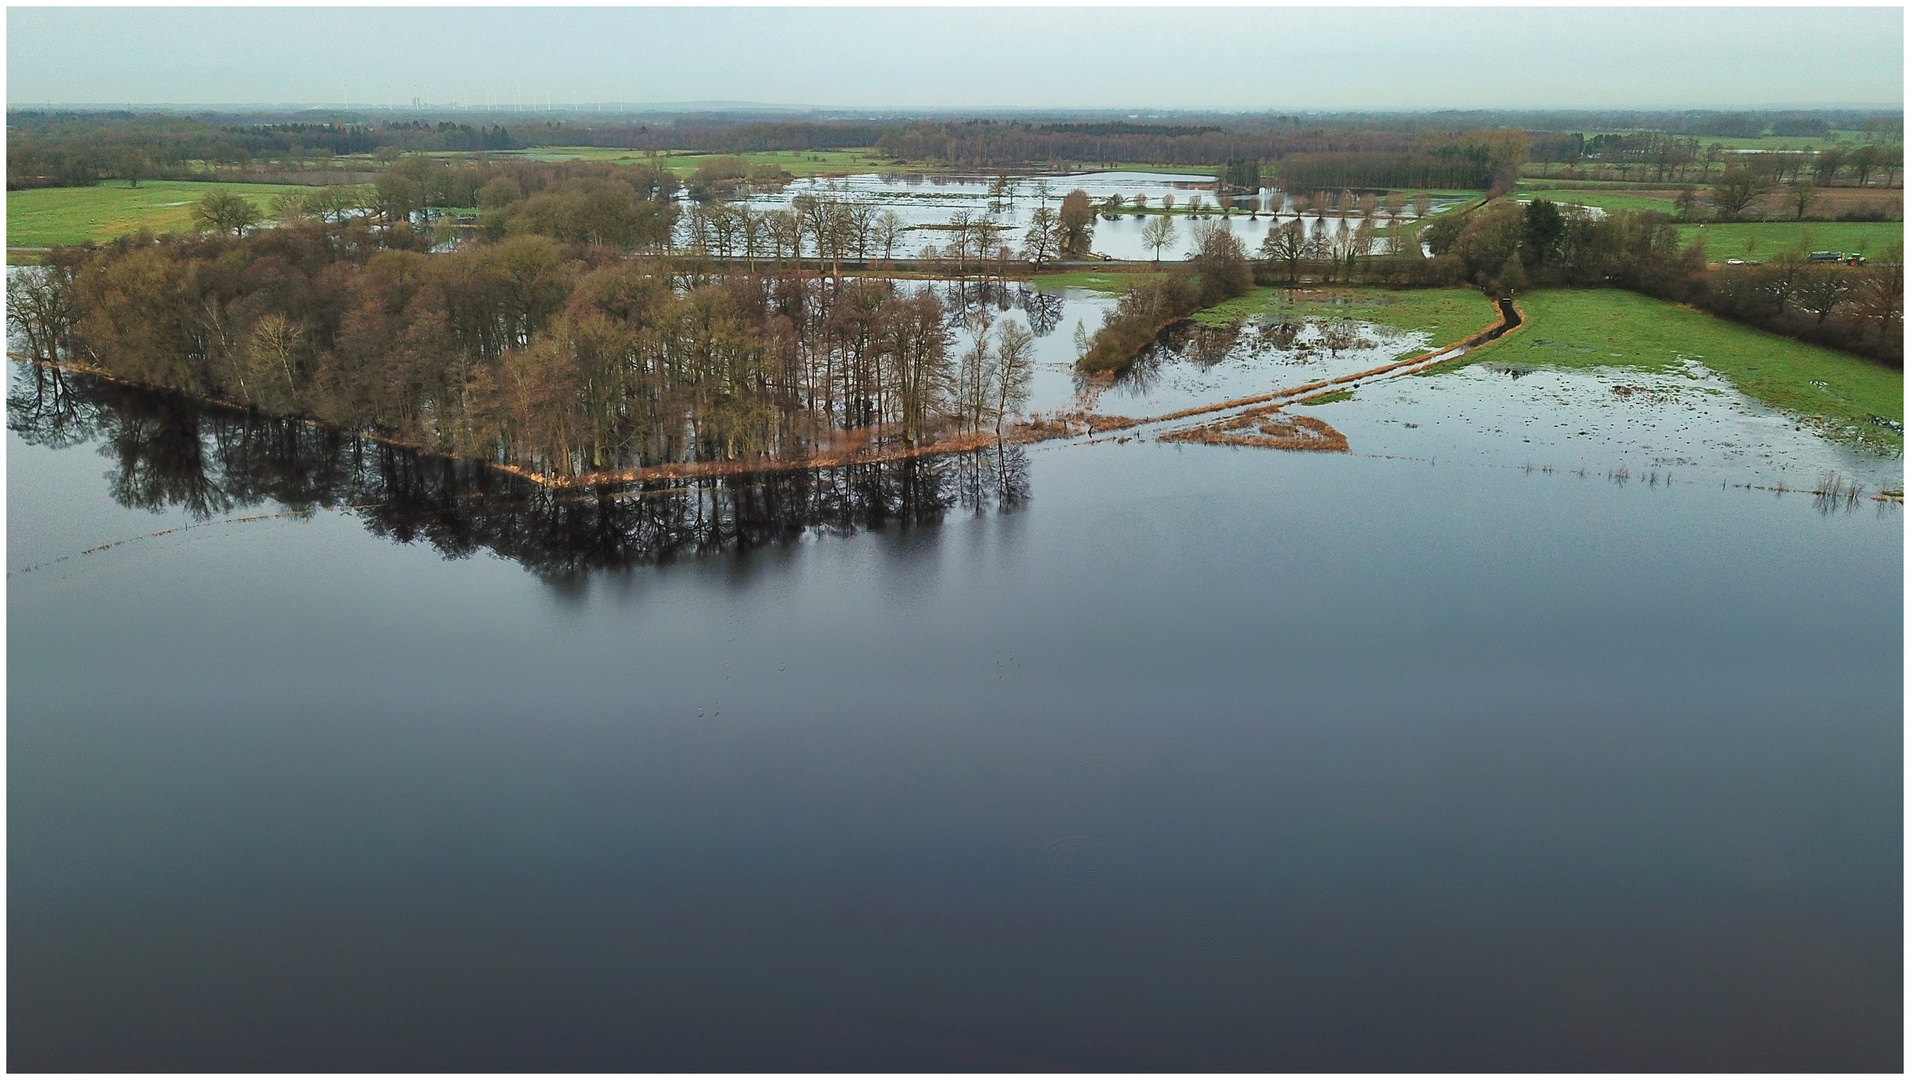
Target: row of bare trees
(563, 359)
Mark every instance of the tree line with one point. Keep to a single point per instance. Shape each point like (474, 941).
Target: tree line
(1475, 161)
(1665, 158)
(559, 358)
(168, 451)
(1217, 271)
(1505, 247)
(82, 149)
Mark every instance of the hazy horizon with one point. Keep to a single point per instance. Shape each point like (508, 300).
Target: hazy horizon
(953, 59)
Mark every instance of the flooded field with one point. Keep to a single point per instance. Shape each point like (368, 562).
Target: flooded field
(1092, 755)
(925, 201)
(1547, 691)
(1619, 424)
(1689, 426)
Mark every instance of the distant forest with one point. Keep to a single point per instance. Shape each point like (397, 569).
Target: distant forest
(1433, 149)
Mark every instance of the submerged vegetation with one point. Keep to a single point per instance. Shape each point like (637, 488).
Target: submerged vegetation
(1848, 398)
(213, 461)
(1444, 315)
(1218, 271)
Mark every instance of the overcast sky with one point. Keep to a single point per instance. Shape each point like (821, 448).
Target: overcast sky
(1222, 58)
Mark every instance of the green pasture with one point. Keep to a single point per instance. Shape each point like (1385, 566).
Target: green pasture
(1583, 328)
(54, 217)
(1761, 240)
(1101, 281)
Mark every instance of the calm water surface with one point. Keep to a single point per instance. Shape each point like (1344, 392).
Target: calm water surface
(1096, 756)
(924, 201)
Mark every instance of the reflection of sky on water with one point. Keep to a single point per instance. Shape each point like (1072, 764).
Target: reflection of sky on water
(1694, 422)
(1689, 426)
(933, 199)
(1199, 758)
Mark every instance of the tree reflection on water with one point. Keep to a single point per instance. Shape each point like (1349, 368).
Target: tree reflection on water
(171, 451)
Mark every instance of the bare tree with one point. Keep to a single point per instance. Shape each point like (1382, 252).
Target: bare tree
(1735, 190)
(1799, 197)
(1043, 237)
(1820, 290)
(976, 372)
(889, 230)
(1157, 234)
(225, 212)
(1286, 244)
(1014, 368)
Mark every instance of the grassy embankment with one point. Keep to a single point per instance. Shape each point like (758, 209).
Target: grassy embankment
(1763, 239)
(1583, 328)
(52, 217)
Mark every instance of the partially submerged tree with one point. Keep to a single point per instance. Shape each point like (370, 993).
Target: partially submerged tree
(1286, 244)
(1014, 368)
(1076, 223)
(1042, 239)
(1157, 234)
(222, 211)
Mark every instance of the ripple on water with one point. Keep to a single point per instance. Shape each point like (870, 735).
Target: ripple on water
(1192, 932)
(1079, 860)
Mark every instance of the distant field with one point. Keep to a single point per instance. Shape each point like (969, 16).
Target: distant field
(1604, 199)
(1449, 315)
(1613, 328)
(1142, 166)
(684, 162)
(53, 217)
(1767, 142)
(1763, 239)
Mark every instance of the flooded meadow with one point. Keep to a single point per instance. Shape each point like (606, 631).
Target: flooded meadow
(928, 202)
(1554, 722)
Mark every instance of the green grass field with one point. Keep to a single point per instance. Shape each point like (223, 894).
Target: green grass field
(53, 217)
(1609, 327)
(1762, 239)
(1449, 315)
(1101, 281)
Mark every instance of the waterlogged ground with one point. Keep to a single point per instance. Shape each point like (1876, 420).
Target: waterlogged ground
(927, 200)
(1194, 366)
(1686, 424)
(1191, 367)
(1612, 423)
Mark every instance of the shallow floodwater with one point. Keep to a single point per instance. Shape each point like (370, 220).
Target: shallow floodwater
(924, 201)
(1086, 756)
(1189, 367)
